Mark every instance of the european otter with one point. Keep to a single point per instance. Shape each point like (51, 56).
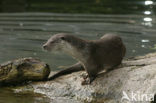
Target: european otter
(93, 55)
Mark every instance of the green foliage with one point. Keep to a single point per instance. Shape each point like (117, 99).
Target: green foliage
(74, 6)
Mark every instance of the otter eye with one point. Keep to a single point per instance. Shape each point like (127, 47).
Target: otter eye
(52, 42)
(62, 38)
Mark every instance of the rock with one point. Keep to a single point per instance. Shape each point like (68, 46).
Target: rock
(22, 70)
(134, 81)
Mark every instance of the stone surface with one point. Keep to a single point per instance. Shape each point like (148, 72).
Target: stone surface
(22, 70)
(136, 76)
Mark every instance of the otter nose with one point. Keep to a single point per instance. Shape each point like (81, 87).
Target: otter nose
(45, 47)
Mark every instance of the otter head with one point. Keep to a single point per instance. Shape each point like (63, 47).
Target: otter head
(55, 43)
(67, 43)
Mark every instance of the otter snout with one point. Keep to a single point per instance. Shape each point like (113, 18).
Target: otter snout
(45, 47)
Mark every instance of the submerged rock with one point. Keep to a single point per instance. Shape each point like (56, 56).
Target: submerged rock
(22, 70)
(133, 82)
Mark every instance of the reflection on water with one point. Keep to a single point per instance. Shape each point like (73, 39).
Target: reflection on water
(148, 2)
(147, 19)
(147, 12)
(9, 96)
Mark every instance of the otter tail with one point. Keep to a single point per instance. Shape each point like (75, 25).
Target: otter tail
(74, 68)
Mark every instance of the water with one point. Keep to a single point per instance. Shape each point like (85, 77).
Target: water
(23, 34)
(9, 96)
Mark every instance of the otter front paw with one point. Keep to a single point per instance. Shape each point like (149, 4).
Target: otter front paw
(88, 81)
(84, 76)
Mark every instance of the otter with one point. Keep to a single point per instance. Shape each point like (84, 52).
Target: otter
(93, 56)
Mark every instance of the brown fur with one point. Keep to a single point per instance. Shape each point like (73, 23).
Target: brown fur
(93, 56)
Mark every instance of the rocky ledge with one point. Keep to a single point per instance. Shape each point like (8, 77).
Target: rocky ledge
(133, 82)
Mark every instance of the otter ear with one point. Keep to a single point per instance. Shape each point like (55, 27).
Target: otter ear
(62, 38)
